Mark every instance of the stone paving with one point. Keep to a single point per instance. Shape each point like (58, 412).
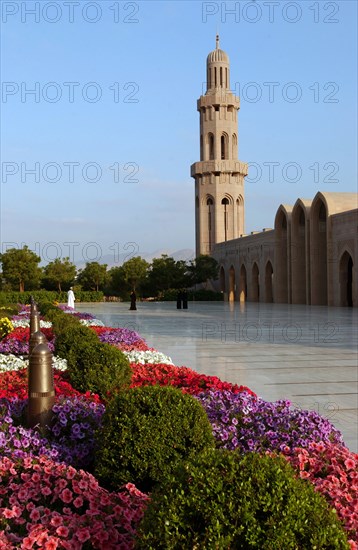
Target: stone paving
(307, 354)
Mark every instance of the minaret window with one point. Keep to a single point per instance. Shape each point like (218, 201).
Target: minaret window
(210, 204)
(224, 147)
(234, 146)
(226, 80)
(216, 79)
(221, 76)
(201, 148)
(225, 202)
(211, 147)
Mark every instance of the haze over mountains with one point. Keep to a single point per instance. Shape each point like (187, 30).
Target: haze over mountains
(115, 260)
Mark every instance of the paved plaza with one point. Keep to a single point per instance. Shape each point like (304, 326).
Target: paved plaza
(307, 354)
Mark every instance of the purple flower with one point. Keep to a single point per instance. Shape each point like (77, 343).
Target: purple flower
(258, 425)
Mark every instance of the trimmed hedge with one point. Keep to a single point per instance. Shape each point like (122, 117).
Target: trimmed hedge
(92, 365)
(222, 500)
(48, 295)
(145, 432)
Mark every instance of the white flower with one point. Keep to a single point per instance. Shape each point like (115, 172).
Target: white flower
(12, 362)
(23, 323)
(59, 363)
(91, 322)
(151, 357)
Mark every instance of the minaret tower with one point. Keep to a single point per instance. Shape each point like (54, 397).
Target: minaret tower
(219, 176)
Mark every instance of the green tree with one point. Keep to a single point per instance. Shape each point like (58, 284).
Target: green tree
(135, 271)
(116, 281)
(167, 273)
(202, 269)
(93, 276)
(20, 268)
(59, 272)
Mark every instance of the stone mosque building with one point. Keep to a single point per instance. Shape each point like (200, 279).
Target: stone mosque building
(311, 255)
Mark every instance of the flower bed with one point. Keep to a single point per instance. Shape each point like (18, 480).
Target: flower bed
(117, 336)
(10, 362)
(17, 341)
(333, 470)
(184, 378)
(58, 506)
(15, 384)
(81, 511)
(241, 421)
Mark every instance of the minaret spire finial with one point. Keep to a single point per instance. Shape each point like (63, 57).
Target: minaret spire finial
(217, 42)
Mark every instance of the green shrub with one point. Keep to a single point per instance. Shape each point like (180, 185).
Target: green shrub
(47, 308)
(146, 431)
(98, 368)
(70, 335)
(92, 365)
(224, 501)
(8, 310)
(48, 295)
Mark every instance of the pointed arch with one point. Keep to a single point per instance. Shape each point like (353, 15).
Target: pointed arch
(232, 284)
(255, 283)
(269, 282)
(227, 217)
(283, 254)
(211, 146)
(300, 252)
(224, 146)
(346, 279)
(240, 215)
(222, 279)
(234, 153)
(243, 284)
(318, 222)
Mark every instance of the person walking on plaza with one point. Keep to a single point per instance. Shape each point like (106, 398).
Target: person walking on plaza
(71, 298)
(185, 299)
(133, 301)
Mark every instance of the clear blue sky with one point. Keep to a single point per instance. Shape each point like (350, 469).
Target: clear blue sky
(147, 60)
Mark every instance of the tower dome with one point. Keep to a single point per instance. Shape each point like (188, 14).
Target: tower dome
(217, 55)
(217, 69)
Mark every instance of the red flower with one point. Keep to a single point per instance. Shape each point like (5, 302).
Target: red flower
(184, 378)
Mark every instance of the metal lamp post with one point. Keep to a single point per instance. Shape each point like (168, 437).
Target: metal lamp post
(40, 374)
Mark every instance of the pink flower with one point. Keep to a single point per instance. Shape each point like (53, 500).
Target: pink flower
(42, 538)
(35, 515)
(46, 491)
(71, 472)
(51, 544)
(66, 495)
(83, 535)
(7, 513)
(27, 542)
(78, 502)
(349, 464)
(17, 511)
(61, 483)
(62, 531)
(83, 484)
(56, 521)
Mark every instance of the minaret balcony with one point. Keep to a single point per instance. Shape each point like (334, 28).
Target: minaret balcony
(211, 166)
(220, 96)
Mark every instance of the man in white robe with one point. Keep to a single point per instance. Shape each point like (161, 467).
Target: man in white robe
(71, 299)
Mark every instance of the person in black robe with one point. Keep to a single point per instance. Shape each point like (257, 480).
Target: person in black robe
(185, 299)
(133, 301)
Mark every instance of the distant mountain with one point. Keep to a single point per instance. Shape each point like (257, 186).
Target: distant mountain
(186, 254)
